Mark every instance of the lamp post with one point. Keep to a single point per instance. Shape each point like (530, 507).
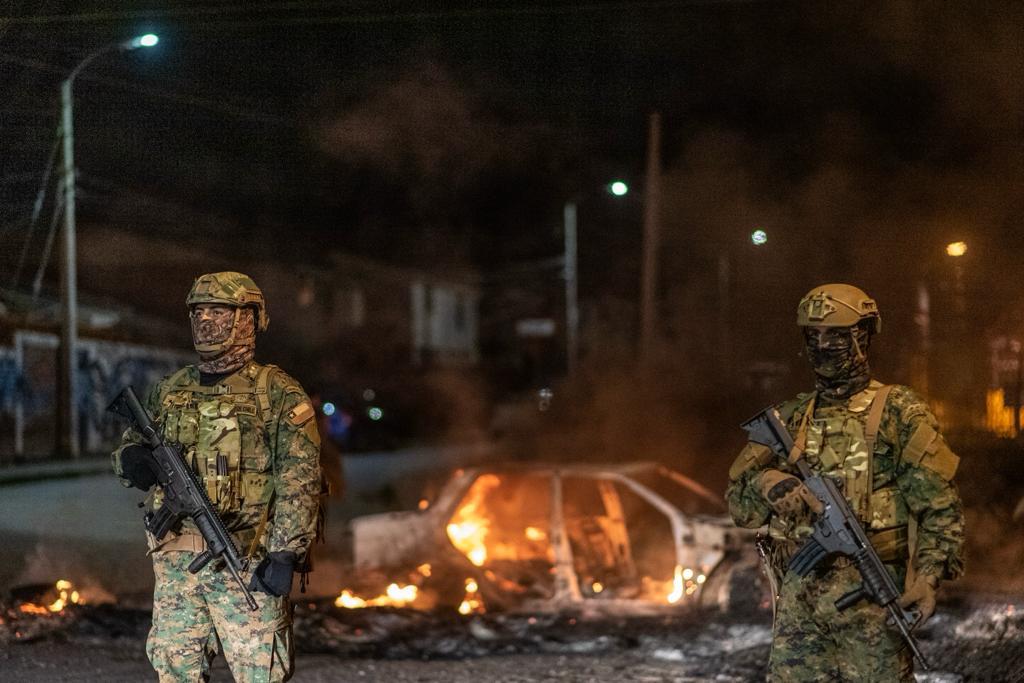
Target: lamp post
(570, 274)
(67, 405)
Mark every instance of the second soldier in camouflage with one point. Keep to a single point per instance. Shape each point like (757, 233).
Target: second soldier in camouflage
(882, 446)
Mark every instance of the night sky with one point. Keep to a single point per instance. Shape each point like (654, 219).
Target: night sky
(862, 137)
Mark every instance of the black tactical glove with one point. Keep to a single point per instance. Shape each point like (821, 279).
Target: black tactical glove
(139, 466)
(273, 575)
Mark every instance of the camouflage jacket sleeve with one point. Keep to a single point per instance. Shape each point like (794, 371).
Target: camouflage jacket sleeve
(747, 505)
(924, 476)
(131, 436)
(296, 453)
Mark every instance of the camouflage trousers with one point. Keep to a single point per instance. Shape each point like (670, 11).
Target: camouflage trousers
(195, 616)
(813, 641)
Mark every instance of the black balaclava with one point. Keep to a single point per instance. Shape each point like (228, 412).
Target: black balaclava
(839, 358)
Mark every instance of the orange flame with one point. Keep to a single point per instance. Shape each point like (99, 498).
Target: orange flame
(394, 596)
(685, 581)
(469, 527)
(66, 595)
(473, 602)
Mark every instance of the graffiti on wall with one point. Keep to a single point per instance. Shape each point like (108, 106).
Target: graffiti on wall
(28, 391)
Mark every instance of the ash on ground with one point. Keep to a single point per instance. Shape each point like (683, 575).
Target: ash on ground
(971, 639)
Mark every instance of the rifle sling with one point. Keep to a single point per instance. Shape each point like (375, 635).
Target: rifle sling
(800, 442)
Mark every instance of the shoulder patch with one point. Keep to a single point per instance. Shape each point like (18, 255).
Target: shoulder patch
(928, 449)
(300, 414)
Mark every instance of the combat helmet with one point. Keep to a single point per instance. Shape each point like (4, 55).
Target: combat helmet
(838, 305)
(228, 289)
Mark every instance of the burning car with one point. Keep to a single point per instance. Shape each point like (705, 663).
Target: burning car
(607, 538)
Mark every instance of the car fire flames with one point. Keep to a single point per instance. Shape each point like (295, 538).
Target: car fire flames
(537, 538)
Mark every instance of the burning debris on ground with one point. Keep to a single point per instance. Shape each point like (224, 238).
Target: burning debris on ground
(981, 639)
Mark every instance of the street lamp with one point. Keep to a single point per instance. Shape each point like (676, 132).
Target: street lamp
(956, 248)
(618, 188)
(68, 408)
(571, 276)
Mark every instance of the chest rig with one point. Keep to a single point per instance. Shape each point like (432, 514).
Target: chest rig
(841, 441)
(223, 433)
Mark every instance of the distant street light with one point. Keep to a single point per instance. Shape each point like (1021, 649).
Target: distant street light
(956, 248)
(571, 277)
(68, 408)
(759, 237)
(148, 40)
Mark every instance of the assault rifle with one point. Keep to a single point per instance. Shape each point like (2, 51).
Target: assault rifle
(836, 532)
(184, 496)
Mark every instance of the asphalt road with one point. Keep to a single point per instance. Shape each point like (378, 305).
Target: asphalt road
(89, 529)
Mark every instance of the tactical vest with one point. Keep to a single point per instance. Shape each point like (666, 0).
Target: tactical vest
(223, 433)
(837, 446)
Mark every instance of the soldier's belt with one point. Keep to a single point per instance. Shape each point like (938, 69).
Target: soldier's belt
(194, 542)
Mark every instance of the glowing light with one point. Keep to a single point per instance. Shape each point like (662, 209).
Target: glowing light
(687, 574)
(618, 188)
(375, 413)
(148, 40)
(469, 526)
(956, 248)
(677, 586)
(329, 409)
(424, 569)
(759, 237)
(535, 534)
(597, 587)
(701, 578)
(472, 602)
(423, 504)
(29, 608)
(394, 596)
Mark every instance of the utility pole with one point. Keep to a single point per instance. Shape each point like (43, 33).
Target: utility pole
(652, 238)
(67, 405)
(572, 311)
(68, 366)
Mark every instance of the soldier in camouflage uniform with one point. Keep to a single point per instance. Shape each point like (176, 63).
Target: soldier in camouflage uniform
(249, 433)
(882, 446)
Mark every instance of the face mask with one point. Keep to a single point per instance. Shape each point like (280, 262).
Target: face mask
(224, 341)
(211, 327)
(837, 356)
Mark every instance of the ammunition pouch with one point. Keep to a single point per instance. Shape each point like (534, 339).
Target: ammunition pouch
(753, 456)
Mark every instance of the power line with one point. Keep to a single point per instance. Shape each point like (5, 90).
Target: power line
(37, 208)
(364, 18)
(37, 282)
(217, 106)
